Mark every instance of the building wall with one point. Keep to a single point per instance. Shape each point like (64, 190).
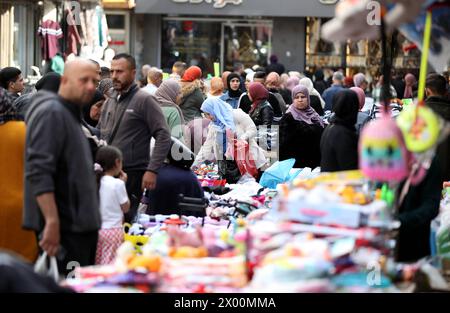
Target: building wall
(152, 40)
(288, 42)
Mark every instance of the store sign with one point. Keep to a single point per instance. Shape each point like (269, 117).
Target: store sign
(218, 4)
(328, 1)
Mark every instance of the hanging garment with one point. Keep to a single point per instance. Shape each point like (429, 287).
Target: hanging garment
(73, 37)
(49, 31)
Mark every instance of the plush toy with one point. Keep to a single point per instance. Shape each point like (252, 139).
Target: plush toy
(382, 151)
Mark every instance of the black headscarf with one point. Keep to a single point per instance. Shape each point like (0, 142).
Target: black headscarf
(345, 108)
(49, 82)
(233, 93)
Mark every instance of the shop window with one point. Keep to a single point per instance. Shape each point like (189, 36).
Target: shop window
(247, 43)
(193, 42)
(321, 53)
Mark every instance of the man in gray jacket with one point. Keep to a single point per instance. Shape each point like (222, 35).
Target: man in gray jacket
(61, 197)
(129, 119)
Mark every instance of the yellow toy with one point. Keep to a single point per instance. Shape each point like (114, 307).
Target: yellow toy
(138, 241)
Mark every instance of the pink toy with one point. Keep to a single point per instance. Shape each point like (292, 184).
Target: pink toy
(382, 152)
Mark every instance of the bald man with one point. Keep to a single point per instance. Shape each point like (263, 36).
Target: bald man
(154, 80)
(61, 201)
(273, 82)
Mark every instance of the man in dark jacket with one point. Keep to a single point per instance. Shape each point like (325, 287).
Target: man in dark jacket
(418, 208)
(437, 99)
(328, 94)
(61, 200)
(275, 66)
(11, 79)
(129, 119)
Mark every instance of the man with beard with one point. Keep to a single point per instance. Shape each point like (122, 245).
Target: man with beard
(129, 119)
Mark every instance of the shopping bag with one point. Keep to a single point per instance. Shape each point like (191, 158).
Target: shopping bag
(244, 159)
(277, 173)
(41, 267)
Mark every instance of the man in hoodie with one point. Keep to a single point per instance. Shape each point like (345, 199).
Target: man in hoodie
(61, 196)
(129, 119)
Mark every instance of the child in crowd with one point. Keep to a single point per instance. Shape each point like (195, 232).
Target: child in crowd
(114, 202)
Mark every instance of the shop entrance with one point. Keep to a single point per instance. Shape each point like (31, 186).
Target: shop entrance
(203, 41)
(248, 43)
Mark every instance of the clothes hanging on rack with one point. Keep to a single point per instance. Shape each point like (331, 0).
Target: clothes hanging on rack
(95, 32)
(73, 36)
(49, 31)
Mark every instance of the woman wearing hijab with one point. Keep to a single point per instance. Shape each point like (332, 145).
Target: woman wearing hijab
(172, 180)
(261, 112)
(300, 131)
(363, 117)
(410, 83)
(316, 101)
(12, 151)
(222, 125)
(244, 102)
(339, 143)
(233, 90)
(167, 95)
(238, 124)
(191, 93)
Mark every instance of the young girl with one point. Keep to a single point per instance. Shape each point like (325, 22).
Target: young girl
(114, 202)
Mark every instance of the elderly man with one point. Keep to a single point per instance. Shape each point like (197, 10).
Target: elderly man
(129, 119)
(61, 201)
(273, 82)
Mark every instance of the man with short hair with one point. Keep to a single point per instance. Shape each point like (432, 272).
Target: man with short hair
(178, 70)
(154, 80)
(11, 79)
(61, 195)
(437, 100)
(129, 119)
(359, 80)
(329, 93)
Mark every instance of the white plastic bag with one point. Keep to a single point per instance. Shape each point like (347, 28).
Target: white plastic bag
(41, 267)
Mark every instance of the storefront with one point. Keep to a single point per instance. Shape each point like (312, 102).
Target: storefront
(18, 25)
(202, 32)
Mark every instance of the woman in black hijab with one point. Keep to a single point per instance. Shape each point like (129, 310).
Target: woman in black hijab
(339, 143)
(233, 90)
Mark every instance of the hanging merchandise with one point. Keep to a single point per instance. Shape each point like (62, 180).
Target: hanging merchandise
(57, 64)
(420, 125)
(422, 128)
(49, 31)
(382, 152)
(73, 37)
(439, 45)
(95, 33)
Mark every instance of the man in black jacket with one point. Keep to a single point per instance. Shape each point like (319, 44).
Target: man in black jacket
(61, 200)
(437, 99)
(129, 119)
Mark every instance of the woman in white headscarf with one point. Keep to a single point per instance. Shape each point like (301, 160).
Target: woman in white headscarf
(316, 101)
